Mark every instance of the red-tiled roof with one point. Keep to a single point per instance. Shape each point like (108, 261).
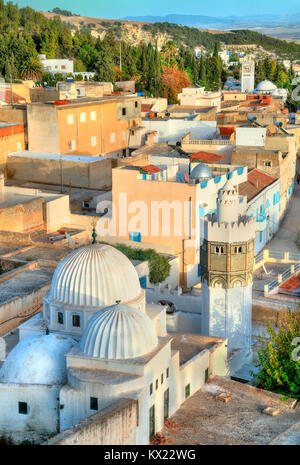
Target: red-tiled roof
(291, 284)
(207, 157)
(11, 130)
(145, 107)
(257, 181)
(226, 131)
(7, 96)
(150, 169)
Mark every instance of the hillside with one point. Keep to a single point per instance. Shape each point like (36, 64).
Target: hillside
(134, 32)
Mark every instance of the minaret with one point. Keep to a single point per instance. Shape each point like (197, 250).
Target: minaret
(227, 260)
(248, 76)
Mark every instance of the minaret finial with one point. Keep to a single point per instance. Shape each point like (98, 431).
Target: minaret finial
(94, 235)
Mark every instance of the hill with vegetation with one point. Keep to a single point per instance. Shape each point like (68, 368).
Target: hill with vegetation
(158, 69)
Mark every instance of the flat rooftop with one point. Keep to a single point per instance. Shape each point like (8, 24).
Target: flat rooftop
(84, 101)
(160, 149)
(25, 282)
(4, 124)
(203, 420)
(10, 199)
(190, 345)
(54, 156)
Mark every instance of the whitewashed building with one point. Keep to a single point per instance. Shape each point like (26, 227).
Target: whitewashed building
(57, 65)
(97, 341)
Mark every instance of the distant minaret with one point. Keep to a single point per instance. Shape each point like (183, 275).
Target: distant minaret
(248, 76)
(227, 260)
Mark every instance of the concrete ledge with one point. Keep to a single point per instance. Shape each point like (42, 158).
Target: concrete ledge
(100, 429)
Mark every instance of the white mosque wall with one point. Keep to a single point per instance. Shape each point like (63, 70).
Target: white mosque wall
(187, 323)
(188, 302)
(42, 417)
(227, 314)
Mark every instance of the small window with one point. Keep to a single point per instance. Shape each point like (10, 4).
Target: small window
(219, 250)
(93, 116)
(151, 389)
(70, 119)
(187, 391)
(156, 384)
(161, 378)
(76, 321)
(93, 141)
(206, 375)
(268, 163)
(112, 137)
(60, 318)
(72, 145)
(123, 111)
(167, 373)
(82, 117)
(93, 403)
(23, 408)
(63, 66)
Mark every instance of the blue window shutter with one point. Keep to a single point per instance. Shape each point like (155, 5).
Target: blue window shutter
(201, 212)
(199, 269)
(135, 236)
(260, 236)
(143, 282)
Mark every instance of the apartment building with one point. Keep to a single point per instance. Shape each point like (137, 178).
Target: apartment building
(87, 126)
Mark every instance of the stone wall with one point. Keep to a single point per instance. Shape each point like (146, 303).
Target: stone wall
(22, 217)
(114, 425)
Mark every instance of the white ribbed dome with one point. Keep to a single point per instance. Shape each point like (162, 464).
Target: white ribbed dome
(37, 360)
(95, 276)
(118, 332)
(266, 86)
(201, 172)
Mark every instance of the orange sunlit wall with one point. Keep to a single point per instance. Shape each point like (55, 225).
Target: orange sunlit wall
(91, 129)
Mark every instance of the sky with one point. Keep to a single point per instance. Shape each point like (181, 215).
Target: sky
(122, 8)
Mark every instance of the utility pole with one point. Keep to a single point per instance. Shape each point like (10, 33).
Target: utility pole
(11, 91)
(120, 56)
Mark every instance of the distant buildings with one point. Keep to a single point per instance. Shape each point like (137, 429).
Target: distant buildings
(198, 97)
(59, 65)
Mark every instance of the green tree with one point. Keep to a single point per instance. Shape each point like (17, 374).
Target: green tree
(31, 69)
(278, 360)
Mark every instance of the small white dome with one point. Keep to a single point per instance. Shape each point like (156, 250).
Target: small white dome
(266, 86)
(95, 276)
(37, 360)
(201, 172)
(118, 332)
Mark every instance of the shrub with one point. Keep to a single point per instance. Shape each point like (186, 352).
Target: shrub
(279, 370)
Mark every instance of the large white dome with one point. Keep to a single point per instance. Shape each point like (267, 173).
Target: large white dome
(118, 332)
(95, 276)
(266, 86)
(37, 360)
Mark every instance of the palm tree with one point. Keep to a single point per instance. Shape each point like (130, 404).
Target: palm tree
(31, 68)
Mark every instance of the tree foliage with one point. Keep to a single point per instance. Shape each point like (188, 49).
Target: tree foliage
(158, 264)
(279, 371)
(173, 81)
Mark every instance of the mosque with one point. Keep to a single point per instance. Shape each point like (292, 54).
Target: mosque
(95, 342)
(269, 88)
